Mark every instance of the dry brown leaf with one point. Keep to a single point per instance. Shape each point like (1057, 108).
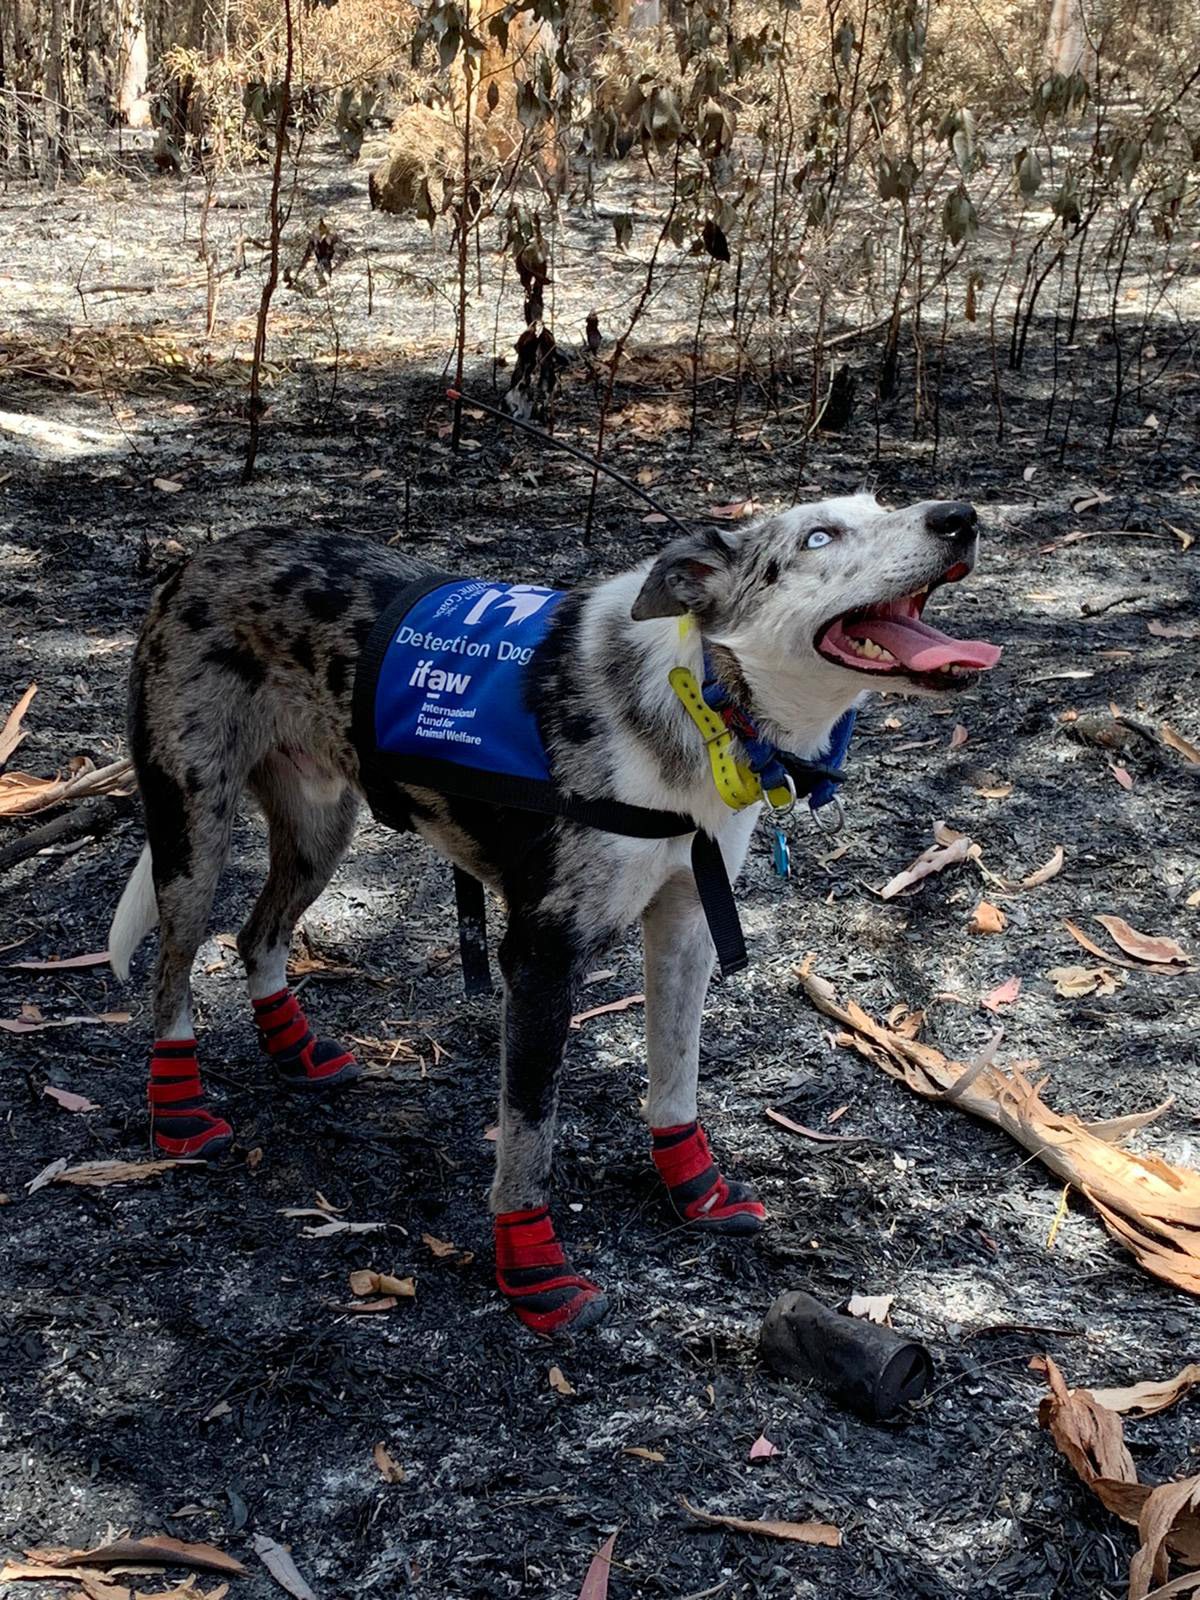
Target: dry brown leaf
(936, 859)
(1144, 1399)
(445, 1251)
(1185, 747)
(365, 1282)
(1122, 775)
(1173, 630)
(69, 1100)
(762, 1448)
(391, 1471)
(806, 1132)
(1142, 946)
(278, 1562)
(959, 736)
(12, 733)
(32, 1021)
(371, 1306)
(1004, 994)
(595, 1582)
(987, 918)
(1193, 899)
(167, 485)
(98, 958)
(999, 791)
(799, 1532)
(1044, 873)
(642, 1453)
(402, 1288)
(1091, 1437)
(559, 1382)
(1090, 945)
(735, 511)
(1147, 1205)
(613, 1005)
(157, 1548)
(1071, 982)
(872, 1307)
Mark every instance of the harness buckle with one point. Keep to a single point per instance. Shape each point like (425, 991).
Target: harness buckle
(837, 819)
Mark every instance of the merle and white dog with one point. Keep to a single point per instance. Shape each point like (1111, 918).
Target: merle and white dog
(243, 679)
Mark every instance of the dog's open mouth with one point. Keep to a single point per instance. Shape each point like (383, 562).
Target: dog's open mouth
(891, 638)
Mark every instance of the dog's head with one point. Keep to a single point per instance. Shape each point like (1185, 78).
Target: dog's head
(825, 600)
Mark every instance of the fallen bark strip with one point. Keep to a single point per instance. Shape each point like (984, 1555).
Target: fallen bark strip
(21, 795)
(1147, 1205)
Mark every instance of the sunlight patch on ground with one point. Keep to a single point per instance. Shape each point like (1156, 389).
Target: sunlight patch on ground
(22, 433)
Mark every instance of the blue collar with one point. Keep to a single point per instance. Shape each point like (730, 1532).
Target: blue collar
(818, 780)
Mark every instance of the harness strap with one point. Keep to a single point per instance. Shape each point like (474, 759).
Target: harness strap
(712, 885)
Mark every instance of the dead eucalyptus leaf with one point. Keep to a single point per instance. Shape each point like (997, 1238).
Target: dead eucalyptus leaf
(798, 1532)
(987, 918)
(390, 1470)
(1141, 946)
(156, 1549)
(278, 1562)
(1071, 982)
(1144, 1399)
(1185, 747)
(936, 859)
(12, 733)
(559, 1382)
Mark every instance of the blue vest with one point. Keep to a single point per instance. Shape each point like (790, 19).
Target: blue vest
(451, 683)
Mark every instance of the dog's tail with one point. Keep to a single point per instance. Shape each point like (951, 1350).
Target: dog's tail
(136, 914)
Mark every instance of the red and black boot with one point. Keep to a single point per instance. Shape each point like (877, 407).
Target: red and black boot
(535, 1277)
(699, 1193)
(181, 1123)
(303, 1060)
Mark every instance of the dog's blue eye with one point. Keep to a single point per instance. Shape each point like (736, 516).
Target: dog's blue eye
(818, 538)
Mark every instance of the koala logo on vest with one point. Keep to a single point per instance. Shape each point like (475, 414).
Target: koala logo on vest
(522, 599)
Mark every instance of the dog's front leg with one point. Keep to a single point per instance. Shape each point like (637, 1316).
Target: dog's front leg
(532, 1271)
(679, 959)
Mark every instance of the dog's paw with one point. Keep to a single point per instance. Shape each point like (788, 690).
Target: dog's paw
(700, 1193)
(535, 1277)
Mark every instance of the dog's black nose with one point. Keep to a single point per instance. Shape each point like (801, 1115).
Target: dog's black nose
(951, 519)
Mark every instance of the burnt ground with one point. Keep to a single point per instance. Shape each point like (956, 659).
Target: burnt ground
(128, 1315)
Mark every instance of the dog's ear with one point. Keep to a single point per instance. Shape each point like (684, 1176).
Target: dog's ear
(691, 575)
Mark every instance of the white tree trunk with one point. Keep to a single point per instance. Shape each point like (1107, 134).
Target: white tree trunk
(133, 68)
(1067, 46)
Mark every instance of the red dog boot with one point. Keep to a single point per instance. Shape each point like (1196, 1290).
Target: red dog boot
(535, 1277)
(303, 1061)
(180, 1121)
(699, 1193)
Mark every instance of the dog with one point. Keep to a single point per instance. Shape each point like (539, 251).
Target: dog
(243, 679)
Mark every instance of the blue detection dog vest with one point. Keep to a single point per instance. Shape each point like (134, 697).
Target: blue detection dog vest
(441, 703)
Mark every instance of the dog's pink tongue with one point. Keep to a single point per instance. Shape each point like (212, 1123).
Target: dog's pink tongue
(922, 648)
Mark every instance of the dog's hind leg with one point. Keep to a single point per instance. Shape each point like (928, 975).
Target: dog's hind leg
(188, 835)
(532, 1271)
(679, 959)
(310, 818)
